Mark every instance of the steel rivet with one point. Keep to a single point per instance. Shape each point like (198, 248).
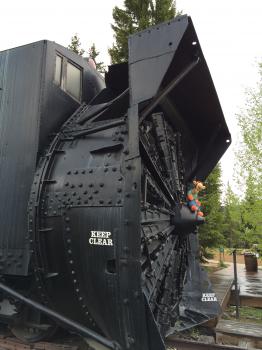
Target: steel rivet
(136, 294)
(131, 340)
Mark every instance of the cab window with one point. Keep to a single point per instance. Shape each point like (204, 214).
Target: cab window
(68, 77)
(73, 81)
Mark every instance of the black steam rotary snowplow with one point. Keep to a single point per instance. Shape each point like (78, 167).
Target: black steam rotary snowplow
(95, 235)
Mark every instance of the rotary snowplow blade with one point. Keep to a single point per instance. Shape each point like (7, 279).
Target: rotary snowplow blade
(111, 183)
(168, 54)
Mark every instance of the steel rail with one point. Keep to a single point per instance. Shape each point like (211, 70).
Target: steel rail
(148, 109)
(182, 344)
(156, 174)
(103, 108)
(74, 326)
(93, 130)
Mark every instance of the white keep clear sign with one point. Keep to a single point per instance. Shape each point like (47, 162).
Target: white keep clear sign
(101, 238)
(209, 297)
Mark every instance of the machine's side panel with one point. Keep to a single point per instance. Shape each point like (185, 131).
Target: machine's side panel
(33, 106)
(20, 74)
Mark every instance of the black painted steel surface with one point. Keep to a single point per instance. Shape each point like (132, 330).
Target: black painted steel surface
(110, 244)
(32, 108)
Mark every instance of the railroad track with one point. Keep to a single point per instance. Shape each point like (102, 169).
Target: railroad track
(10, 343)
(182, 344)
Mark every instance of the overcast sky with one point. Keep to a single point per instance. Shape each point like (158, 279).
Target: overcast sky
(229, 31)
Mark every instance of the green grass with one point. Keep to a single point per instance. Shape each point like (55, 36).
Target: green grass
(247, 314)
(221, 265)
(208, 268)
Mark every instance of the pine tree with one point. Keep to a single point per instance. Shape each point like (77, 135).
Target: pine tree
(210, 233)
(249, 166)
(93, 53)
(232, 219)
(75, 45)
(137, 15)
(251, 210)
(249, 153)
